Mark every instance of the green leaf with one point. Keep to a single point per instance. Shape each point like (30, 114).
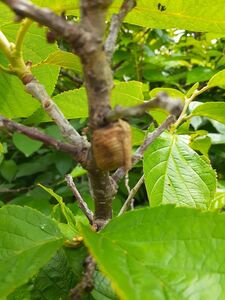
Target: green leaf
(162, 253)
(14, 101)
(8, 169)
(25, 144)
(218, 202)
(219, 127)
(76, 257)
(194, 16)
(212, 110)
(58, 5)
(78, 171)
(1, 148)
(127, 93)
(217, 138)
(103, 289)
(201, 144)
(6, 15)
(22, 292)
(199, 74)
(173, 93)
(54, 280)
(65, 210)
(28, 239)
(40, 164)
(138, 136)
(217, 80)
(174, 173)
(192, 89)
(63, 163)
(159, 115)
(63, 59)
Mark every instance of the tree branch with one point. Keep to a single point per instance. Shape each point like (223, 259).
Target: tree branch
(86, 284)
(173, 106)
(81, 203)
(116, 21)
(99, 83)
(73, 78)
(38, 91)
(121, 172)
(49, 141)
(131, 195)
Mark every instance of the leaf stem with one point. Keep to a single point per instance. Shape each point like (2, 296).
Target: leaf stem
(26, 23)
(5, 45)
(183, 115)
(17, 64)
(131, 196)
(6, 70)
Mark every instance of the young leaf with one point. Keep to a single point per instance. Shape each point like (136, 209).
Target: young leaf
(25, 144)
(63, 59)
(65, 210)
(174, 173)
(28, 239)
(219, 201)
(8, 169)
(217, 80)
(212, 110)
(192, 89)
(78, 171)
(162, 253)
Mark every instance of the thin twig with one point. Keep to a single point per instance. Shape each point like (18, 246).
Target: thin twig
(173, 106)
(6, 70)
(35, 134)
(16, 191)
(81, 203)
(25, 25)
(5, 45)
(116, 21)
(131, 196)
(120, 173)
(86, 284)
(129, 190)
(73, 78)
(186, 105)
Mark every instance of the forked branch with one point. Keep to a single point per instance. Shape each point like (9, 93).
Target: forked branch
(173, 106)
(116, 21)
(49, 141)
(81, 203)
